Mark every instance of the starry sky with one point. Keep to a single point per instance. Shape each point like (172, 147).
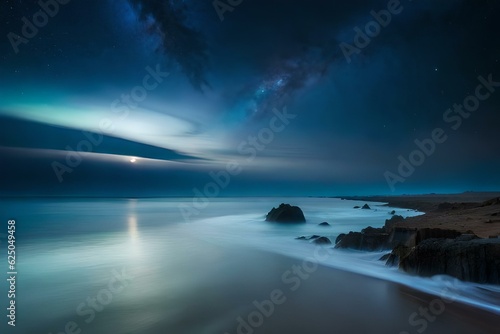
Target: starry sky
(252, 97)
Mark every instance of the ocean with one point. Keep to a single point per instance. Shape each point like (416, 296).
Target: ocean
(139, 266)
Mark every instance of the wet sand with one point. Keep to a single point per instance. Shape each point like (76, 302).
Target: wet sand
(322, 301)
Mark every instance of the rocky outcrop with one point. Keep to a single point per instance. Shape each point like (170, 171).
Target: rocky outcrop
(402, 235)
(369, 239)
(466, 258)
(286, 213)
(389, 223)
(388, 237)
(324, 224)
(366, 207)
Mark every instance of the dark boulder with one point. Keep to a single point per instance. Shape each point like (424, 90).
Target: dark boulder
(341, 235)
(399, 252)
(393, 212)
(475, 260)
(366, 207)
(286, 213)
(364, 241)
(322, 241)
(356, 207)
(324, 224)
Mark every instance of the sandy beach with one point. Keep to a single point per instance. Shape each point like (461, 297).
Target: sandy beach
(463, 212)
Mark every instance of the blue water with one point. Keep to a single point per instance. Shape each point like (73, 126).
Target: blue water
(145, 264)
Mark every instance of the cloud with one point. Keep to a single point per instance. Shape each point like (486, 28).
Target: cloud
(18, 133)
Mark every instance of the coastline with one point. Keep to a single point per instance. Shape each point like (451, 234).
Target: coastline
(464, 212)
(425, 202)
(458, 236)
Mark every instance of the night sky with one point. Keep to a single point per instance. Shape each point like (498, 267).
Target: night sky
(251, 97)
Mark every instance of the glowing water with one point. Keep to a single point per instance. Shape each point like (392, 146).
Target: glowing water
(70, 251)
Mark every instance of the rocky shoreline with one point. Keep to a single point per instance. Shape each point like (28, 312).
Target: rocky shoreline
(431, 251)
(459, 239)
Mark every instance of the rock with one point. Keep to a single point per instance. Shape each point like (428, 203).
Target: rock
(372, 230)
(364, 241)
(399, 252)
(476, 260)
(286, 213)
(324, 224)
(385, 257)
(388, 237)
(366, 207)
(393, 212)
(402, 235)
(356, 207)
(307, 238)
(341, 235)
(322, 241)
(391, 260)
(389, 223)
